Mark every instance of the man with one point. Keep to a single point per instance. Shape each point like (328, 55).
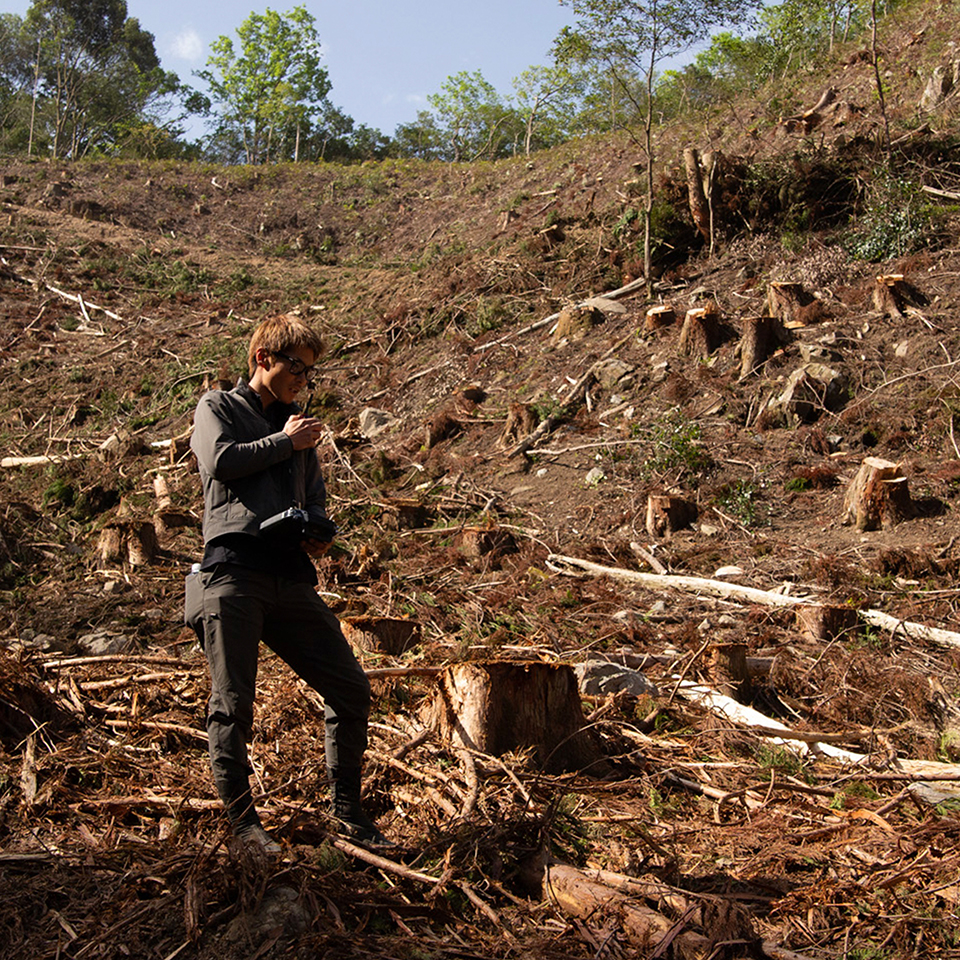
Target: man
(257, 457)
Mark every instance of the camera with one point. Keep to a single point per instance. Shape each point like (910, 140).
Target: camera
(297, 524)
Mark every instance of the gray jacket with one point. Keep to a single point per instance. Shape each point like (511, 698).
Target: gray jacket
(249, 470)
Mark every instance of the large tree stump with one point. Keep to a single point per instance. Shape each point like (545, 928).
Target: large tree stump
(388, 635)
(877, 497)
(826, 623)
(666, 514)
(756, 343)
(497, 707)
(574, 323)
(700, 334)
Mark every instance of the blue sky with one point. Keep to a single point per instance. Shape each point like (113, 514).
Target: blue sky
(384, 57)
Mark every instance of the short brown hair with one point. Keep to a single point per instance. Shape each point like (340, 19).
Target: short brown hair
(282, 334)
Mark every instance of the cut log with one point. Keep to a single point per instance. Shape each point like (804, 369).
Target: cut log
(579, 896)
(878, 497)
(700, 334)
(660, 316)
(500, 707)
(490, 542)
(666, 514)
(727, 668)
(826, 623)
(389, 635)
(756, 343)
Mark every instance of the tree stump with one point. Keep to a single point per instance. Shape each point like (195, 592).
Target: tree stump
(756, 343)
(132, 540)
(699, 208)
(521, 422)
(405, 514)
(877, 497)
(666, 514)
(727, 668)
(826, 623)
(491, 542)
(660, 316)
(786, 301)
(498, 707)
(388, 635)
(892, 295)
(700, 334)
(574, 323)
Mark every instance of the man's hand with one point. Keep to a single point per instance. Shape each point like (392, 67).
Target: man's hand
(303, 431)
(316, 548)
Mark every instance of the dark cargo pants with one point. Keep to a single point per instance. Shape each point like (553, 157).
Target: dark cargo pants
(241, 607)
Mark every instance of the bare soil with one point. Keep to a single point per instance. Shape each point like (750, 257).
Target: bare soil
(127, 289)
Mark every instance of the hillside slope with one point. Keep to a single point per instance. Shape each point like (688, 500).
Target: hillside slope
(127, 289)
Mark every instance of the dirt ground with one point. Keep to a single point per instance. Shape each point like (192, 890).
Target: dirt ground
(127, 289)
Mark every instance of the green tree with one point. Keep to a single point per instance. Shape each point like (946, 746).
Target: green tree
(421, 139)
(629, 36)
(271, 86)
(548, 98)
(472, 117)
(95, 70)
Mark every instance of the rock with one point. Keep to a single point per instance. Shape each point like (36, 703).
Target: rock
(594, 477)
(102, 642)
(373, 422)
(599, 677)
(279, 909)
(809, 391)
(610, 373)
(605, 305)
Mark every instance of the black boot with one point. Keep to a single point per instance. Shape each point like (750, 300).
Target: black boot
(354, 823)
(243, 816)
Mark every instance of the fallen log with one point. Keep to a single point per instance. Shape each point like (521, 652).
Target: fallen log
(914, 631)
(579, 896)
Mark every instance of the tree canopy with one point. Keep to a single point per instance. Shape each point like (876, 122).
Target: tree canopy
(78, 75)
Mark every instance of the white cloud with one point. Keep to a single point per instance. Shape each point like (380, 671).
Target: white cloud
(187, 45)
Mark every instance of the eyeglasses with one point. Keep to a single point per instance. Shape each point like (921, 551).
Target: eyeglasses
(297, 367)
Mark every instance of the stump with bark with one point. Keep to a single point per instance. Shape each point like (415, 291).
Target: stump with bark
(490, 542)
(788, 302)
(877, 497)
(575, 323)
(498, 707)
(522, 420)
(826, 623)
(389, 635)
(660, 316)
(892, 295)
(405, 514)
(728, 672)
(700, 334)
(666, 514)
(758, 341)
(133, 541)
